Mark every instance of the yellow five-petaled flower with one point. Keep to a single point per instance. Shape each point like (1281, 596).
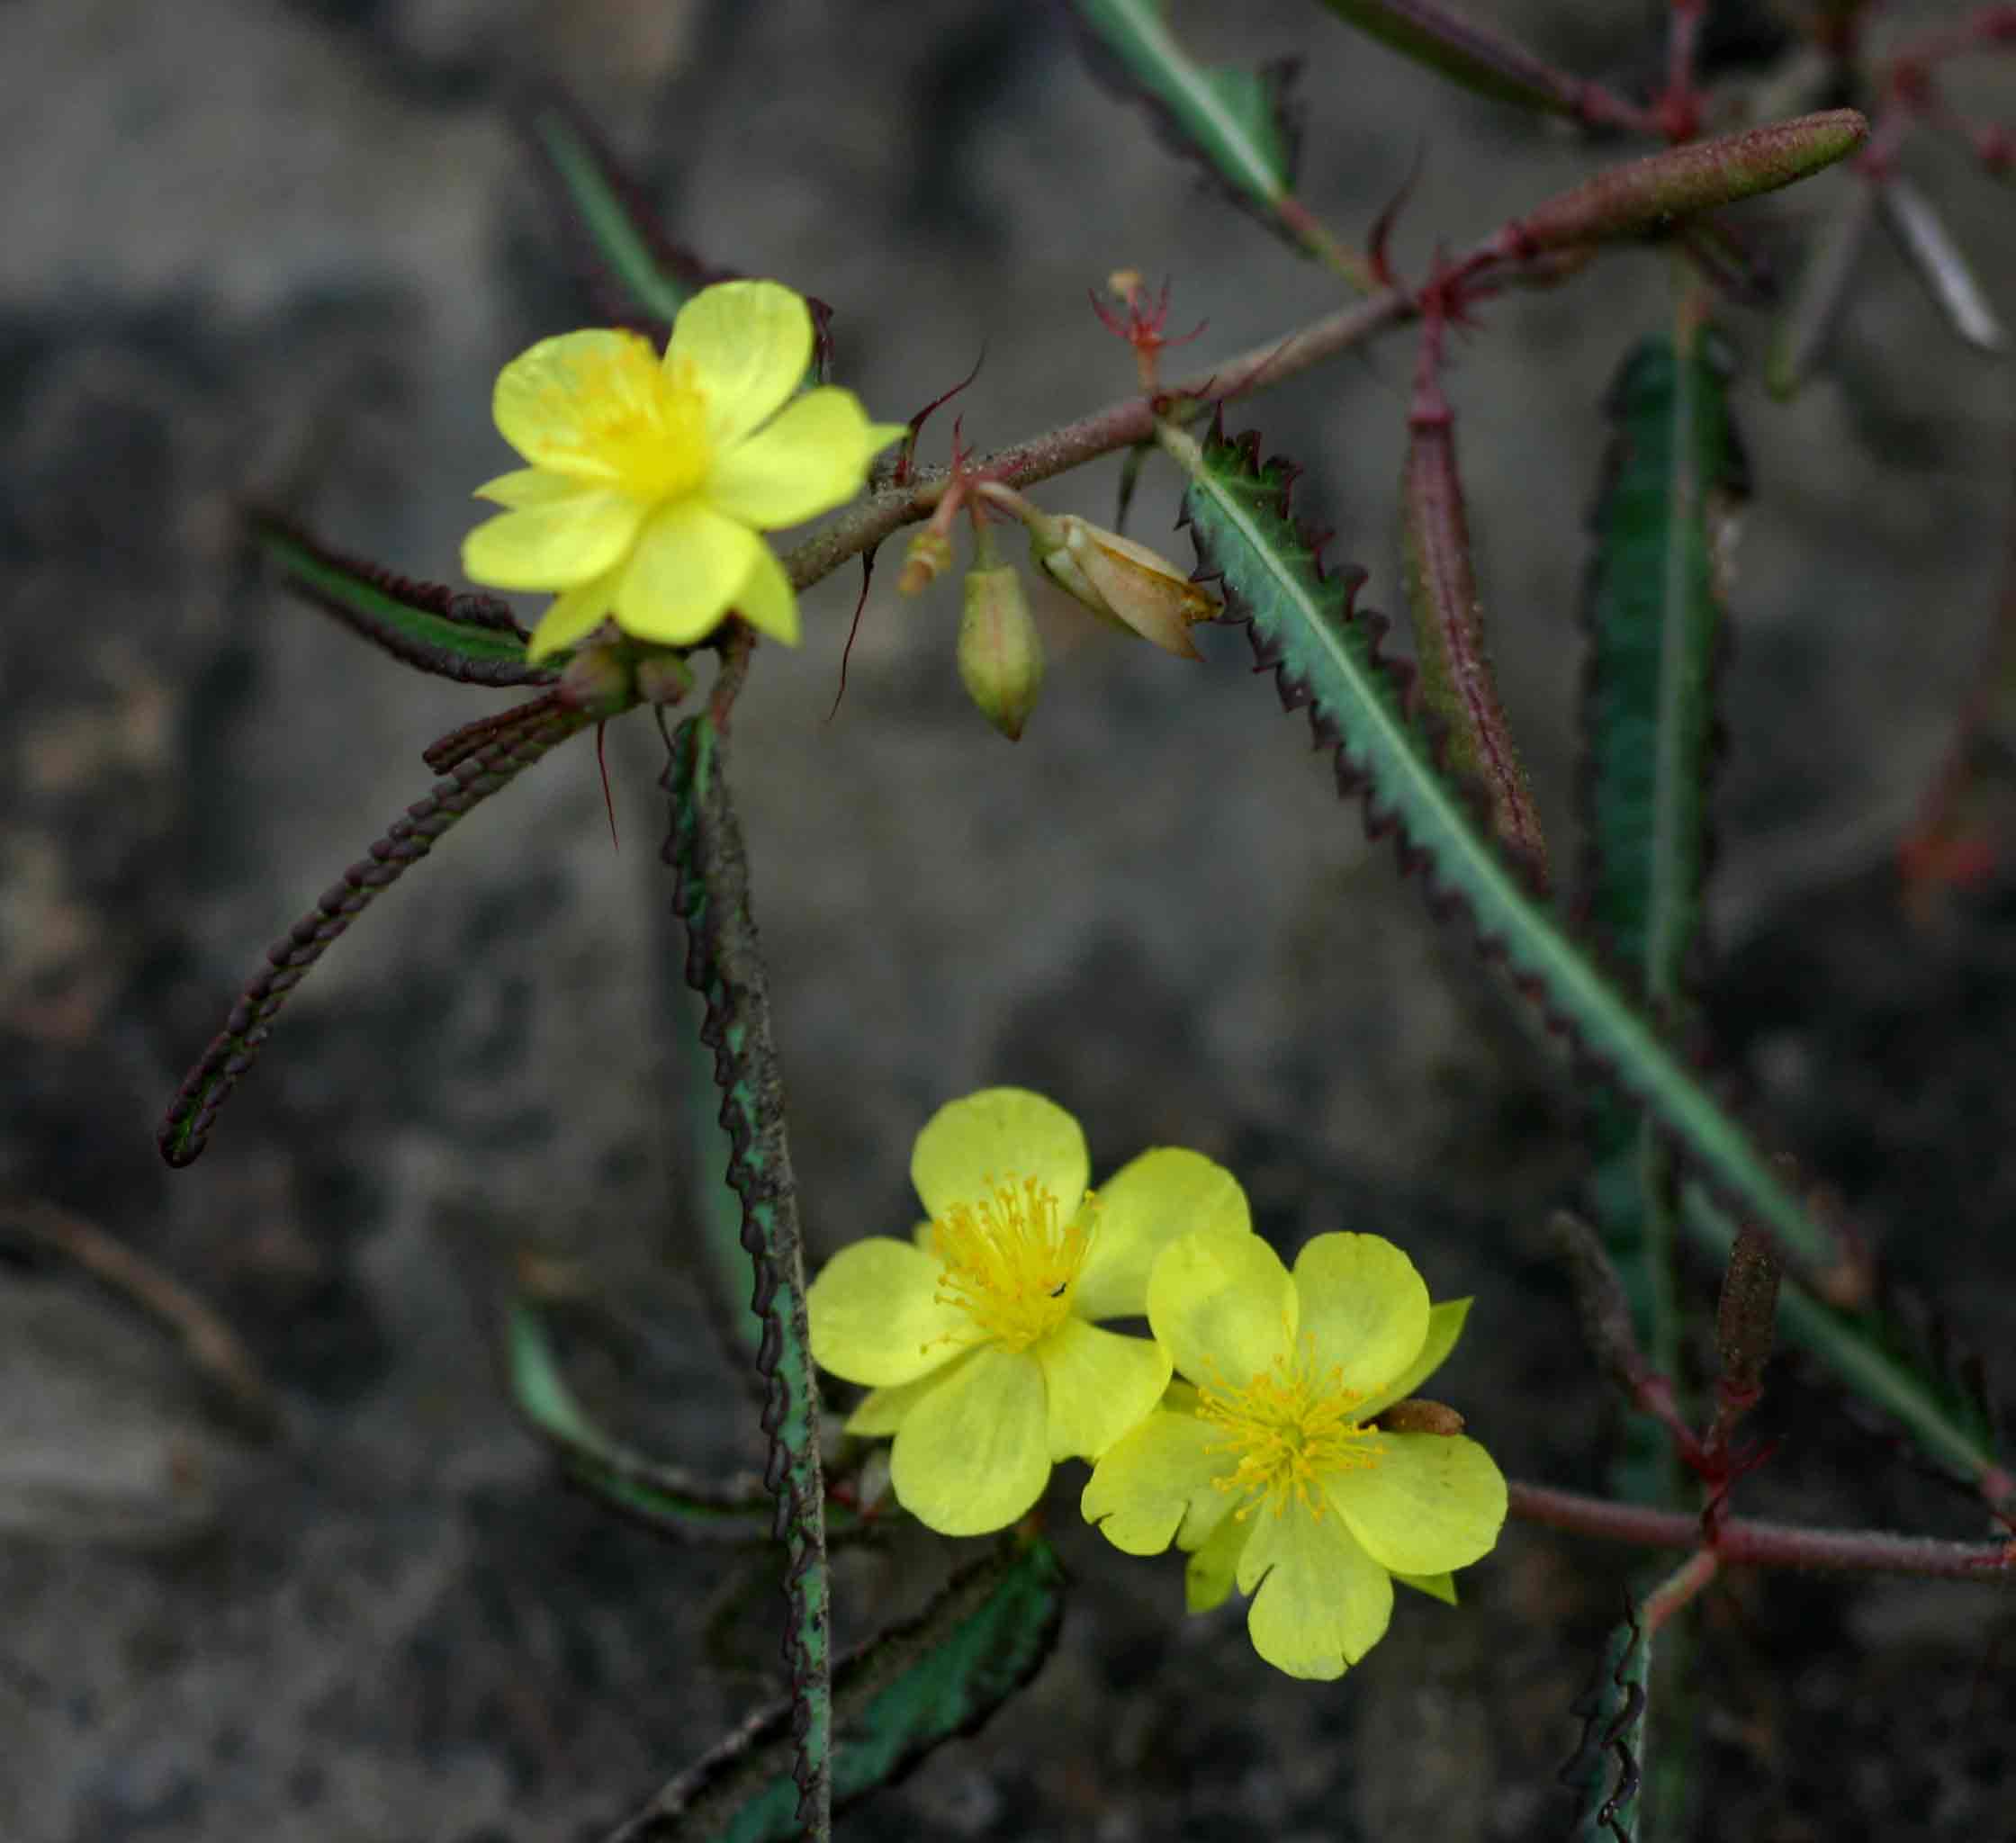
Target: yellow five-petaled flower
(649, 478)
(1267, 1465)
(978, 1338)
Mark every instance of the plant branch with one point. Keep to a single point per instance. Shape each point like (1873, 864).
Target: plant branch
(1117, 426)
(1740, 1542)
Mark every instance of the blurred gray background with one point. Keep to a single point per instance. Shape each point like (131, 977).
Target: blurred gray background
(282, 249)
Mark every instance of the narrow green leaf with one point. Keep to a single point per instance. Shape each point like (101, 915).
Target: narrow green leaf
(1605, 1773)
(711, 1213)
(922, 1683)
(636, 275)
(1652, 606)
(1236, 122)
(472, 638)
(1477, 56)
(1233, 119)
(668, 1497)
(1325, 655)
(725, 965)
(509, 748)
(635, 264)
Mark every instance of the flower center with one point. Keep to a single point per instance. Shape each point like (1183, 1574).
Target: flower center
(1291, 1426)
(621, 412)
(1010, 1259)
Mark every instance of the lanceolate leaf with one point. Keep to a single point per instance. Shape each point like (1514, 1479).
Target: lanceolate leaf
(666, 1497)
(1236, 122)
(1472, 55)
(636, 271)
(1652, 604)
(724, 964)
(469, 637)
(919, 1684)
(1326, 656)
(1607, 1772)
(512, 747)
(636, 275)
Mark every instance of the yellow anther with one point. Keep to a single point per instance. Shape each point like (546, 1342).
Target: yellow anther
(1291, 1426)
(1009, 1261)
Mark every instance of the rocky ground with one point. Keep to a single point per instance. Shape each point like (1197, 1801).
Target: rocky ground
(281, 249)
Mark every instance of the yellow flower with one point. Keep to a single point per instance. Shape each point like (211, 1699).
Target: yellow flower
(650, 478)
(1265, 1465)
(978, 1337)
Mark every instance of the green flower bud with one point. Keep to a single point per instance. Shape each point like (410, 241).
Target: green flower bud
(1001, 655)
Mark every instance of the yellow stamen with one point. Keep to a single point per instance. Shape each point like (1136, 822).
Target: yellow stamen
(622, 415)
(1291, 1426)
(1010, 1260)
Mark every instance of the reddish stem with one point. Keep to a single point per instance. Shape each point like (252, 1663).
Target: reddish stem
(1740, 1543)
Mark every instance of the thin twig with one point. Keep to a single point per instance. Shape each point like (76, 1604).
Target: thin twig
(1117, 426)
(1742, 1543)
(213, 1349)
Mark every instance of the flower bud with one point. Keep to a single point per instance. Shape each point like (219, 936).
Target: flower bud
(1001, 655)
(1122, 582)
(927, 558)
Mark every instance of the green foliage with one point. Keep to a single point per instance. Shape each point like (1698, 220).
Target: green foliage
(1652, 606)
(630, 256)
(925, 1681)
(1476, 56)
(469, 637)
(1234, 122)
(668, 1497)
(1325, 655)
(1231, 119)
(478, 766)
(724, 966)
(1605, 1774)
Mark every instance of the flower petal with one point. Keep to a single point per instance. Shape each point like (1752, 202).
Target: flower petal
(1432, 1503)
(1002, 1133)
(749, 343)
(1156, 1480)
(1224, 1305)
(971, 1455)
(1445, 1325)
(573, 616)
(1436, 1587)
(1364, 1307)
(1147, 1204)
(1207, 1577)
(875, 1316)
(1323, 1602)
(555, 544)
(811, 457)
(528, 486)
(1100, 1385)
(690, 565)
(766, 599)
(883, 1411)
(553, 399)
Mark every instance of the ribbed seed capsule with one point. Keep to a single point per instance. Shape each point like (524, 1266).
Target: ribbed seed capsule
(1001, 655)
